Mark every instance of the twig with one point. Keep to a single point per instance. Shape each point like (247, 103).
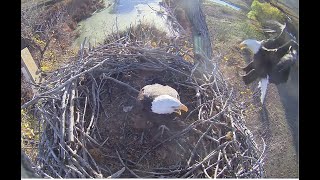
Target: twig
(83, 162)
(74, 161)
(75, 170)
(61, 86)
(64, 103)
(177, 171)
(169, 139)
(205, 172)
(217, 166)
(224, 168)
(121, 83)
(209, 156)
(205, 135)
(196, 146)
(71, 118)
(118, 173)
(89, 137)
(92, 159)
(126, 165)
(94, 107)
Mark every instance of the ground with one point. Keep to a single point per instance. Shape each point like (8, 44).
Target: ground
(278, 121)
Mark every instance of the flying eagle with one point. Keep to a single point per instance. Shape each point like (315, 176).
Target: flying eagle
(158, 104)
(268, 61)
(272, 60)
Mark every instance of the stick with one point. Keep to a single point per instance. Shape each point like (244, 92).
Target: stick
(196, 146)
(83, 162)
(224, 168)
(209, 156)
(64, 103)
(71, 119)
(94, 162)
(205, 172)
(121, 83)
(217, 166)
(126, 166)
(93, 108)
(118, 173)
(75, 170)
(31, 102)
(206, 136)
(89, 137)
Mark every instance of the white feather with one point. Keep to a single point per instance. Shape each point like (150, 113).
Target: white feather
(165, 104)
(263, 84)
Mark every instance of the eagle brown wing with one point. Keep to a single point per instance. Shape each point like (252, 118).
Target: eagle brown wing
(139, 117)
(154, 90)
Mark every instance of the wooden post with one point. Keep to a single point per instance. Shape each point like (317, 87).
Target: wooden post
(200, 32)
(29, 67)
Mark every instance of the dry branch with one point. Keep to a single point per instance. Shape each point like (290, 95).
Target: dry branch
(134, 174)
(71, 118)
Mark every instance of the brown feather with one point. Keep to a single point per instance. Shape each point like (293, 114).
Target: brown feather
(143, 105)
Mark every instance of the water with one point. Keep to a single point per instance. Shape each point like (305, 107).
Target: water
(119, 17)
(225, 4)
(292, 4)
(127, 6)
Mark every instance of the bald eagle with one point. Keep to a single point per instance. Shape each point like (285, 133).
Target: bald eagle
(157, 104)
(268, 61)
(271, 55)
(272, 60)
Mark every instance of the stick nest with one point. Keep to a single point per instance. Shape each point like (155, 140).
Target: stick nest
(86, 113)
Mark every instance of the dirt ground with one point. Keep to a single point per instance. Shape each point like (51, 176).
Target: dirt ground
(277, 121)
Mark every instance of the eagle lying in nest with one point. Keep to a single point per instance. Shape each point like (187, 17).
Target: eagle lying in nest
(157, 104)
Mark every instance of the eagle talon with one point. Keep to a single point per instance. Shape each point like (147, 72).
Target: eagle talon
(163, 127)
(241, 74)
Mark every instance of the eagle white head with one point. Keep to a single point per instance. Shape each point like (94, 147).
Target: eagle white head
(165, 104)
(252, 44)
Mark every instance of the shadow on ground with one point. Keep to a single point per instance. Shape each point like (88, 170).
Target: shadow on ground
(289, 96)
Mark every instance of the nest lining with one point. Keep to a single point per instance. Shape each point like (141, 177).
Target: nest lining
(87, 111)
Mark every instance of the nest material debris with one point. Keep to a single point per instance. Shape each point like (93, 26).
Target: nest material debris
(85, 109)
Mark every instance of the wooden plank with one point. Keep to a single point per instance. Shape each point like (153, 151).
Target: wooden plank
(30, 65)
(28, 79)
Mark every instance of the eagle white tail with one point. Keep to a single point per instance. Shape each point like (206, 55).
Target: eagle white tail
(263, 84)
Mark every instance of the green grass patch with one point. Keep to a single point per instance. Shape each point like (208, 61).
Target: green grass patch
(263, 12)
(234, 31)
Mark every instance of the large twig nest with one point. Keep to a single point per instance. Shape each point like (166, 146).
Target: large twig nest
(86, 112)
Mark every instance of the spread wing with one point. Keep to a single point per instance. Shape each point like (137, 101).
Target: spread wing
(281, 71)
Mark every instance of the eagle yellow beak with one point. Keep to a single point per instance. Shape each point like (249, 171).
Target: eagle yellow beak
(242, 46)
(181, 107)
